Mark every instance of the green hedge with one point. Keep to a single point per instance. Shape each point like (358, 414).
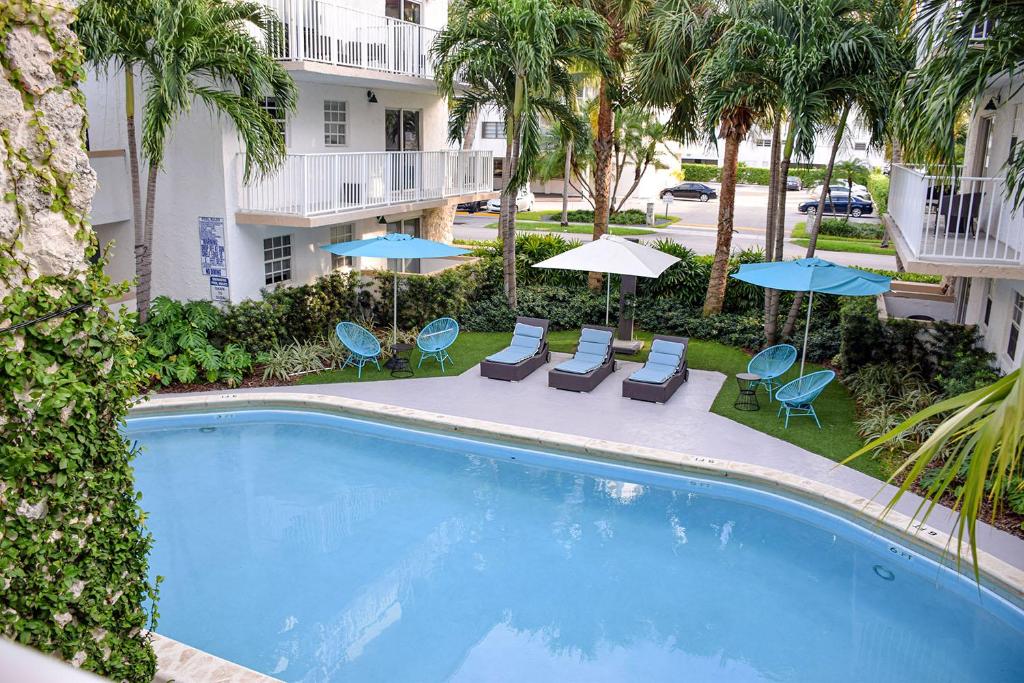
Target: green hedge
(878, 186)
(840, 227)
(627, 217)
(753, 175)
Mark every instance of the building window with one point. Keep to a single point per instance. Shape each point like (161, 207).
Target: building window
(988, 303)
(493, 129)
(276, 112)
(860, 146)
(342, 233)
(277, 259)
(1016, 318)
(763, 142)
(335, 123)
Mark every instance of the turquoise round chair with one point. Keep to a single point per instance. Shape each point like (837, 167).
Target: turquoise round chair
(362, 346)
(771, 364)
(435, 339)
(797, 397)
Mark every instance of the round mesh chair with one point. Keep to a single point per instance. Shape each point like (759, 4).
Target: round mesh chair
(797, 397)
(435, 339)
(362, 346)
(771, 364)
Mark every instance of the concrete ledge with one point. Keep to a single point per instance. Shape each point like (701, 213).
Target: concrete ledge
(178, 663)
(997, 575)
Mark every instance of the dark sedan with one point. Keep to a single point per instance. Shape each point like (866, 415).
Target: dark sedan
(472, 207)
(839, 203)
(698, 191)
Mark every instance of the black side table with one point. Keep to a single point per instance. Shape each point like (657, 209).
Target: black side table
(398, 364)
(747, 399)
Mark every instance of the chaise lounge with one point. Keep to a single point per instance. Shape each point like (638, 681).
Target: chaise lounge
(527, 352)
(594, 360)
(664, 372)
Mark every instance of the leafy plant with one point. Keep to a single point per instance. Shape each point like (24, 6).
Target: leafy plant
(176, 345)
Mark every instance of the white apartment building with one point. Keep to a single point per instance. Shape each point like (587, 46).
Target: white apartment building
(755, 151)
(963, 226)
(367, 154)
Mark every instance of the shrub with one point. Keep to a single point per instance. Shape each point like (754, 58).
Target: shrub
(284, 361)
(627, 217)
(671, 316)
(254, 324)
(700, 173)
(422, 298)
(878, 186)
(176, 345)
(840, 227)
(566, 309)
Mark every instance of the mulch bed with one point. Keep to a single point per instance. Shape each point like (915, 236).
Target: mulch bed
(253, 381)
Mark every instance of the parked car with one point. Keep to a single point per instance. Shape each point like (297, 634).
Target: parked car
(698, 191)
(524, 201)
(472, 207)
(859, 191)
(837, 203)
(793, 183)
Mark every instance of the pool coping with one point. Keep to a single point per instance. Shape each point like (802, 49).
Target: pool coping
(996, 574)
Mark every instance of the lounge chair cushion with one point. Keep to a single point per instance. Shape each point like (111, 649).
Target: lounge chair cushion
(512, 355)
(581, 363)
(526, 341)
(590, 354)
(662, 362)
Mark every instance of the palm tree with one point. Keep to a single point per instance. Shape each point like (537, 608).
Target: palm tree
(187, 52)
(684, 65)
(625, 20)
(516, 55)
(956, 72)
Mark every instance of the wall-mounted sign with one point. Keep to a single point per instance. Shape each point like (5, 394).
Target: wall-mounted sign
(211, 246)
(219, 290)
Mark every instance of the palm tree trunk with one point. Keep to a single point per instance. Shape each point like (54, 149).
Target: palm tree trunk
(771, 321)
(142, 293)
(603, 148)
(773, 189)
(507, 220)
(469, 135)
(715, 297)
(565, 185)
(138, 229)
(814, 225)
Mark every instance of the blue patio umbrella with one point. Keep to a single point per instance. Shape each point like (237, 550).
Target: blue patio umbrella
(812, 275)
(395, 245)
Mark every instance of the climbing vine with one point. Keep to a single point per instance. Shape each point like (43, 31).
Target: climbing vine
(73, 547)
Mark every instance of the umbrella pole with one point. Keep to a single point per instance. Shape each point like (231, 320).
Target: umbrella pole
(607, 297)
(807, 332)
(394, 302)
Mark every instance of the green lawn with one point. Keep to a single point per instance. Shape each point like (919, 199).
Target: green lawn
(837, 439)
(573, 228)
(858, 245)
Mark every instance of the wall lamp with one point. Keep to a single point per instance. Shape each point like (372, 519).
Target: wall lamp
(371, 97)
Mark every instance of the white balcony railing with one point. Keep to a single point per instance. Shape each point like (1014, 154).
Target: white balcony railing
(956, 218)
(327, 32)
(323, 184)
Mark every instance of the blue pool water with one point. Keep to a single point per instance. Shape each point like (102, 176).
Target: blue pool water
(317, 548)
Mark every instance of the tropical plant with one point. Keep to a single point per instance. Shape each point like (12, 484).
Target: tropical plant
(516, 55)
(176, 345)
(187, 51)
(974, 454)
(957, 70)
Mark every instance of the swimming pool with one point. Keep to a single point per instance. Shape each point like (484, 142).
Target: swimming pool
(313, 547)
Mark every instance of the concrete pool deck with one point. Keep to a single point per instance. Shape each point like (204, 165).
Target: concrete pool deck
(684, 425)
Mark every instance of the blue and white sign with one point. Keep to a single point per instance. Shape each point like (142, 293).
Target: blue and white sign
(219, 289)
(211, 246)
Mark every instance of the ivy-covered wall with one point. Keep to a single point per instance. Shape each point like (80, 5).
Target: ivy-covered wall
(72, 543)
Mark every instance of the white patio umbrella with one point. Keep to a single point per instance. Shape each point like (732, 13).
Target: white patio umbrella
(612, 254)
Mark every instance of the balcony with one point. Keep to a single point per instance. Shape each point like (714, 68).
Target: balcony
(953, 224)
(310, 190)
(323, 32)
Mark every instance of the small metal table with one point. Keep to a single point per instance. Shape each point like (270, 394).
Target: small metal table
(398, 364)
(747, 399)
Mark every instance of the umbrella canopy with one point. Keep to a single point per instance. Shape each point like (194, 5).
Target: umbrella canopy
(395, 245)
(612, 254)
(812, 275)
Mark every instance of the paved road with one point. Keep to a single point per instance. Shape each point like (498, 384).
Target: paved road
(697, 226)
